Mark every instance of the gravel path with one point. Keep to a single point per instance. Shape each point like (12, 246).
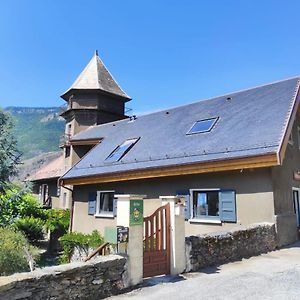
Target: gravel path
(275, 275)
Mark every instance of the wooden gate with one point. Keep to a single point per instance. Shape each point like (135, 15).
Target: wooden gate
(157, 242)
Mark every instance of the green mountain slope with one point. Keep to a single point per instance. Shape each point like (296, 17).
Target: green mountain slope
(37, 130)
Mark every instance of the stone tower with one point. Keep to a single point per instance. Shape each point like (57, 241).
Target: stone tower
(94, 98)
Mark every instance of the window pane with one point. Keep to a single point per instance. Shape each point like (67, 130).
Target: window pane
(205, 204)
(213, 203)
(121, 150)
(203, 126)
(106, 202)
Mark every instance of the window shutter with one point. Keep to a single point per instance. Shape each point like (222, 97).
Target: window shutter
(47, 192)
(92, 203)
(115, 206)
(40, 192)
(227, 206)
(187, 203)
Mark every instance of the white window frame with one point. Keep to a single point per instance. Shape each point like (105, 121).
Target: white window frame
(204, 219)
(103, 214)
(44, 194)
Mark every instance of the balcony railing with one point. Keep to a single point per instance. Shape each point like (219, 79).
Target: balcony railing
(64, 140)
(63, 108)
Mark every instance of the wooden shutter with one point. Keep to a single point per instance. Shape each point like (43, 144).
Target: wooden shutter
(46, 191)
(227, 206)
(187, 202)
(40, 192)
(92, 203)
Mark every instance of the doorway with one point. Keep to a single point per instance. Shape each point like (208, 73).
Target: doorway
(296, 203)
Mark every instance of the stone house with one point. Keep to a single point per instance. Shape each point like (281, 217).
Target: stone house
(234, 159)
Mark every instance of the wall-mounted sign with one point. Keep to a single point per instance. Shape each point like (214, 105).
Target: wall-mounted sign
(122, 234)
(136, 212)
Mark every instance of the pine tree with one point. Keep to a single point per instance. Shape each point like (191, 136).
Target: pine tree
(9, 154)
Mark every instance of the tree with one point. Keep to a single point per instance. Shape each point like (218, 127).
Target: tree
(9, 154)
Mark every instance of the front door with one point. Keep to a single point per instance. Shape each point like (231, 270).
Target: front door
(296, 201)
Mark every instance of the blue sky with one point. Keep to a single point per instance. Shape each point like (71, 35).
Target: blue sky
(162, 53)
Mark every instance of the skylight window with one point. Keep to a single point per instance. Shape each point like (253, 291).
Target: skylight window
(201, 126)
(121, 150)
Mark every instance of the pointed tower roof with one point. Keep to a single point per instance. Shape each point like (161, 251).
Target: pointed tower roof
(95, 76)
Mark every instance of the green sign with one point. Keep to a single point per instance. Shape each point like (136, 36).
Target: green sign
(110, 235)
(136, 212)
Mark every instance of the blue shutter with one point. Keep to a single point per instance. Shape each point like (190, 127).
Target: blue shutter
(227, 206)
(187, 203)
(92, 203)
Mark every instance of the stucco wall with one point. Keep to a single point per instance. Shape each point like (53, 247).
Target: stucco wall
(254, 197)
(283, 182)
(86, 223)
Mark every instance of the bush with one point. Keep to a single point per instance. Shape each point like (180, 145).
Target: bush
(83, 242)
(15, 252)
(58, 220)
(33, 228)
(17, 202)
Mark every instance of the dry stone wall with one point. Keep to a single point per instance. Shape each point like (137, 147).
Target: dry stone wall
(215, 249)
(91, 280)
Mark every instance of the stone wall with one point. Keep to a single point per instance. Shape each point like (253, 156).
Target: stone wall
(91, 280)
(215, 249)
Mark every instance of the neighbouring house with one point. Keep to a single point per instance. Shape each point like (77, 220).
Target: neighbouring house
(45, 185)
(233, 159)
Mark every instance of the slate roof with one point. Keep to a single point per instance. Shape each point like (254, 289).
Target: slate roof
(251, 122)
(54, 169)
(95, 76)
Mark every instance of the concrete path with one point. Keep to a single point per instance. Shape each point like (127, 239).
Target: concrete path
(275, 275)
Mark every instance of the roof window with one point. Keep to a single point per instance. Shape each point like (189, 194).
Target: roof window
(121, 150)
(201, 126)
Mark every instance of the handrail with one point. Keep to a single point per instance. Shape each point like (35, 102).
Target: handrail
(98, 250)
(47, 202)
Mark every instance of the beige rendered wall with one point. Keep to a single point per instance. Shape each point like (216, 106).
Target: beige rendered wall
(87, 223)
(254, 197)
(283, 183)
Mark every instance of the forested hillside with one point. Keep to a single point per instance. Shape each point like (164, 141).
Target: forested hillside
(37, 130)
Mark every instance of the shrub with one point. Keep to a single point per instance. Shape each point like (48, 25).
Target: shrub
(15, 252)
(33, 228)
(58, 220)
(83, 242)
(17, 202)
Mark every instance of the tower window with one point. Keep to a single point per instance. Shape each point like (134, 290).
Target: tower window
(121, 150)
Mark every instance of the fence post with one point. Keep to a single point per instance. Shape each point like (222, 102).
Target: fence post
(134, 248)
(178, 259)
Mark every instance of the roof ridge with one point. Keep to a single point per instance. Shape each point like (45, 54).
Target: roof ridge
(223, 95)
(195, 102)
